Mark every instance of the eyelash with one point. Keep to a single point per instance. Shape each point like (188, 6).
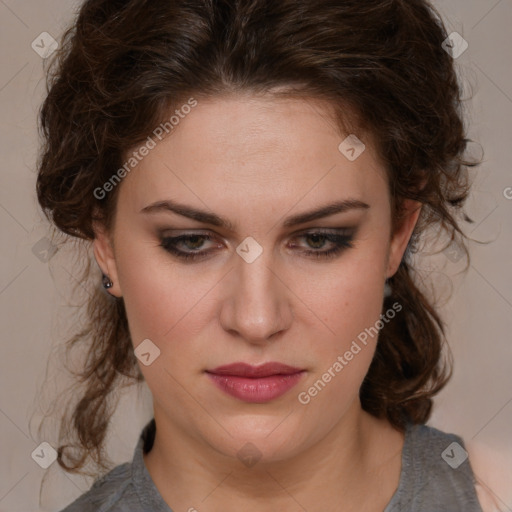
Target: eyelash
(340, 241)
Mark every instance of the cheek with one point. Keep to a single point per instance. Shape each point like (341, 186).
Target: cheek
(343, 355)
(354, 298)
(351, 305)
(151, 300)
(164, 301)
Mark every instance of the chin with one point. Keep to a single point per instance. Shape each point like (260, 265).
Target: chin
(260, 440)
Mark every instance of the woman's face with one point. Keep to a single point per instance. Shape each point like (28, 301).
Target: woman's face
(263, 287)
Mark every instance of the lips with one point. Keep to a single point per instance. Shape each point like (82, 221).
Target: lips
(246, 370)
(255, 384)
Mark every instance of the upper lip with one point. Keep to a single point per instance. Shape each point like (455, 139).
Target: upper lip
(247, 370)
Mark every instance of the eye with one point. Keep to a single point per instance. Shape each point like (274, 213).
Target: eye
(339, 240)
(192, 241)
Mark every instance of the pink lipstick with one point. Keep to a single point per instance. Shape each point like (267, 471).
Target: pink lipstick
(255, 384)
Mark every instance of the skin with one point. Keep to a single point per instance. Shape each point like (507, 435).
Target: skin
(256, 161)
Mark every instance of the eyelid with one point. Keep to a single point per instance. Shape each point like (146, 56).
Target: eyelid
(171, 232)
(348, 232)
(338, 237)
(344, 229)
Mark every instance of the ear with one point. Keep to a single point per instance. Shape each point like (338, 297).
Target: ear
(103, 249)
(403, 231)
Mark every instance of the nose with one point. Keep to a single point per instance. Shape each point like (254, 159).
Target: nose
(257, 303)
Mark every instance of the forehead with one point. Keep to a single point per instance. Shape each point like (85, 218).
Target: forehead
(264, 151)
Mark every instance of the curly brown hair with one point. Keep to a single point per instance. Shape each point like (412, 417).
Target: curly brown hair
(124, 65)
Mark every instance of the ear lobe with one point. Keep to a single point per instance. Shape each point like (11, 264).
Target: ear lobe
(401, 236)
(105, 258)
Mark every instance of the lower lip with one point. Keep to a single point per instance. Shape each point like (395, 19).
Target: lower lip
(258, 390)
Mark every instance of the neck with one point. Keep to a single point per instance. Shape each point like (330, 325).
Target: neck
(337, 469)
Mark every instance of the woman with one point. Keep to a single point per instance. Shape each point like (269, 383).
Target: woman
(252, 178)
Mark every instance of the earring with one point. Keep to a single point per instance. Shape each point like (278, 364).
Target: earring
(387, 289)
(107, 283)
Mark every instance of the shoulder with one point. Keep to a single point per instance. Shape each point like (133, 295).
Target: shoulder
(112, 492)
(469, 469)
(493, 474)
(436, 473)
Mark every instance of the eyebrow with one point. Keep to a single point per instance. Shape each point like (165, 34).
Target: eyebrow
(216, 220)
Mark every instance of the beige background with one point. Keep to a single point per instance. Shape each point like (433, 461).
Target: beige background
(477, 404)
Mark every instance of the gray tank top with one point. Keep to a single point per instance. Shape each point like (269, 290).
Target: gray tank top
(436, 475)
